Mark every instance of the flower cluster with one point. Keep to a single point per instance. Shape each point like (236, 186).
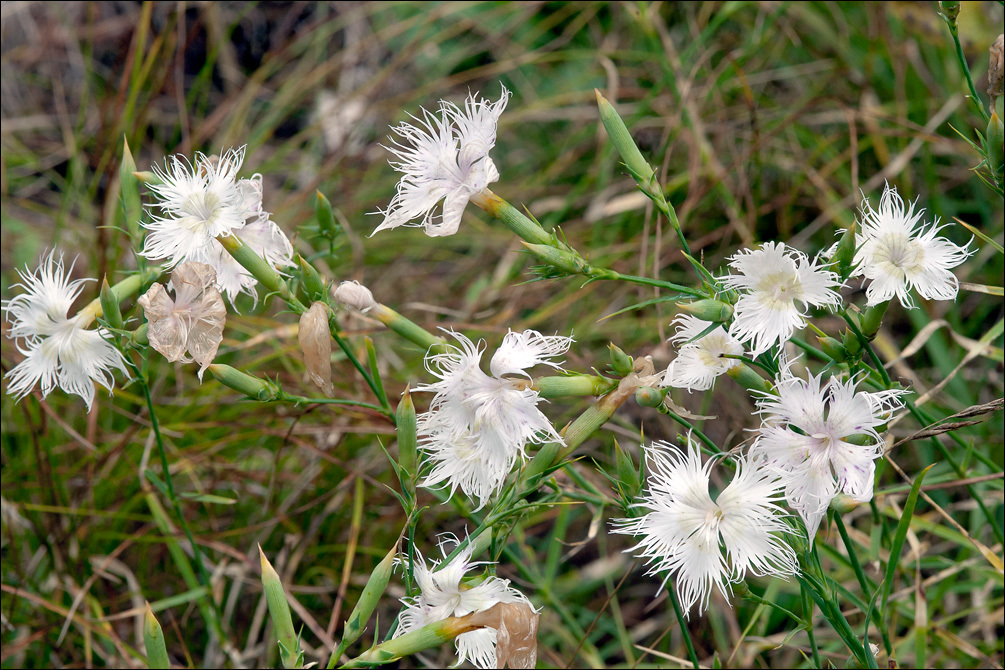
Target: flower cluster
(202, 201)
(478, 425)
(443, 158)
(58, 350)
(443, 593)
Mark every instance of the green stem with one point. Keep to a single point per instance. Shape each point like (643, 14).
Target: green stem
(807, 603)
(682, 622)
(862, 581)
(646, 281)
(962, 59)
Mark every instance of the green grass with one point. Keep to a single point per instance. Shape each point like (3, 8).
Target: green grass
(765, 121)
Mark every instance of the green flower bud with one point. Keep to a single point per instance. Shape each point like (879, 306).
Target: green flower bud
(153, 640)
(851, 343)
(325, 216)
(368, 600)
(648, 397)
(845, 254)
(950, 9)
(110, 305)
(407, 440)
(621, 362)
(708, 310)
(568, 262)
(746, 377)
(565, 386)
(622, 140)
(314, 285)
(253, 387)
(279, 612)
(842, 504)
(629, 474)
(872, 319)
(833, 348)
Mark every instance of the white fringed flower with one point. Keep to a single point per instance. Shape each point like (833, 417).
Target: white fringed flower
(700, 361)
(203, 201)
(704, 543)
(58, 350)
(806, 434)
(771, 280)
(443, 594)
(444, 158)
(897, 252)
(478, 425)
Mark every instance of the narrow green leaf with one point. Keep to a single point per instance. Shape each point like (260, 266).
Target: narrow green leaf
(901, 535)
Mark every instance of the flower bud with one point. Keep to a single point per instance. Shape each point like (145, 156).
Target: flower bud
(253, 387)
(622, 140)
(355, 295)
(708, 310)
(564, 386)
(279, 612)
(749, 379)
(407, 440)
(621, 362)
(833, 348)
(153, 640)
(314, 285)
(316, 343)
(325, 216)
(368, 599)
(110, 305)
(845, 254)
(851, 343)
(629, 475)
(564, 260)
(950, 10)
(872, 319)
(842, 503)
(648, 397)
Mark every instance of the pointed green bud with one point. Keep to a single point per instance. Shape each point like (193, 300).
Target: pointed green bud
(325, 216)
(746, 377)
(950, 9)
(564, 260)
(872, 319)
(648, 397)
(622, 140)
(252, 262)
(845, 254)
(368, 600)
(621, 363)
(129, 193)
(851, 343)
(110, 305)
(153, 640)
(842, 504)
(314, 285)
(253, 387)
(407, 329)
(708, 310)
(833, 348)
(279, 612)
(407, 440)
(627, 472)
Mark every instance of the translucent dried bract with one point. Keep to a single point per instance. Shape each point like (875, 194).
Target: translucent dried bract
(516, 633)
(316, 343)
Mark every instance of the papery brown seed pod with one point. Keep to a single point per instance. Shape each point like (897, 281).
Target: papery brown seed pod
(316, 343)
(996, 68)
(516, 633)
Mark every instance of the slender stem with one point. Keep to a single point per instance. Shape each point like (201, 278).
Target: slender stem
(344, 346)
(712, 446)
(300, 399)
(682, 622)
(867, 345)
(808, 623)
(646, 281)
(961, 57)
(862, 581)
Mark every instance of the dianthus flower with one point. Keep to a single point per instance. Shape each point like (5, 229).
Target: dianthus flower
(444, 158)
(771, 280)
(59, 350)
(478, 424)
(810, 436)
(444, 594)
(200, 202)
(699, 361)
(704, 543)
(897, 251)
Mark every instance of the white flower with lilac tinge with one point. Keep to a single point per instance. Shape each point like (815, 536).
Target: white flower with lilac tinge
(203, 201)
(478, 425)
(444, 594)
(771, 280)
(443, 157)
(897, 251)
(703, 543)
(58, 350)
(699, 361)
(809, 436)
